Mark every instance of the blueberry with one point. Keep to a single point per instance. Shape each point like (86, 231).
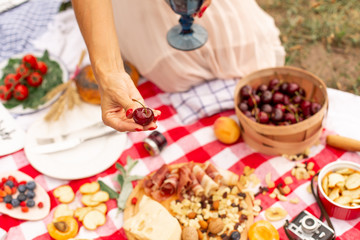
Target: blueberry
(15, 202)
(22, 188)
(7, 199)
(30, 203)
(30, 194)
(21, 197)
(30, 185)
(9, 183)
(235, 236)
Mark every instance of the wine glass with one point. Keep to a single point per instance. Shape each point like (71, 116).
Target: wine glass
(186, 36)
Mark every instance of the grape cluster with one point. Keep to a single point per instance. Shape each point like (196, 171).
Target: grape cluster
(277, 103)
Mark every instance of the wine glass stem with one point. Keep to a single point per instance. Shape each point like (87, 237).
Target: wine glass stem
(186, 22)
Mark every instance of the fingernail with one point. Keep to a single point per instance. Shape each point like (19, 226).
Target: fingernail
(138, 129)
(152, 128)
(156, 118)
(202, 11)
(129, 112)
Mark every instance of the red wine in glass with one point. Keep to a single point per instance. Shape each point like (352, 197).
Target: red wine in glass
(186, 36)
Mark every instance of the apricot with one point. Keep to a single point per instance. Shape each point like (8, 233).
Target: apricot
(226, 130)
(263, 230)
(63, 228)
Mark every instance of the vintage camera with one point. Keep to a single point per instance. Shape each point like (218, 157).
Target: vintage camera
(307, 227)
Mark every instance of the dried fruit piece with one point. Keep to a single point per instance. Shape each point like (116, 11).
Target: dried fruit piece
(94, 219)
(275, 213)
(294, 200)
(81, 212)
(101, 207)
(344, 200)
(335, 193)
(353, 181)
(65, 194)
(336, 179)
(89, 188)
(345, 171)
(288, 180)
(325, 185)
(268, 180)
(87, 201)
(263, 230)
(100, 196)
(63, 210)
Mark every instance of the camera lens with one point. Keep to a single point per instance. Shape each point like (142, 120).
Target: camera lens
(309, 224)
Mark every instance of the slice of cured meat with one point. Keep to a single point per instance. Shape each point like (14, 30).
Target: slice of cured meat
(206, 182)
(212, 172)
(153, 183)
(170, 184)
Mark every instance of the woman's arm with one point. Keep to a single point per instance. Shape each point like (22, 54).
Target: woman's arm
(96, 22)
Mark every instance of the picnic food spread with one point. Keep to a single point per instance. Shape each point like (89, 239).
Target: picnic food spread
(185, 194)
(208, 203)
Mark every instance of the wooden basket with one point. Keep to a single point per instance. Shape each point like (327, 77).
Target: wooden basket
(291, 139)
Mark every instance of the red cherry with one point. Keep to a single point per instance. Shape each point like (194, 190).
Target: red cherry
(305, 107)
(245, 91)
(278, 97)
(263, 117)
(143, 115)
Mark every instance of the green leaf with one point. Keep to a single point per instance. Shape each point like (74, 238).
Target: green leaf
(120, 179)
(134, 178)
(120, 168)
(124, 195)
(109, 190)
(130, 163)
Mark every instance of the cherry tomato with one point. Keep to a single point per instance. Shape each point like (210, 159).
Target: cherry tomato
(5, 92)
(34, 79)
(30, 61)
(22, 70)
(42, 67)
(21, 92)
(11, 80)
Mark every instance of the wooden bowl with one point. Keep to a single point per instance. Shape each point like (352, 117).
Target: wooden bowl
(290, 139)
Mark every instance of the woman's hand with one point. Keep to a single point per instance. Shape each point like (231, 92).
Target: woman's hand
(203, 7)
(117, 91)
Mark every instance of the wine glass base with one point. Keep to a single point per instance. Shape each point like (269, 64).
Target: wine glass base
(187, 42)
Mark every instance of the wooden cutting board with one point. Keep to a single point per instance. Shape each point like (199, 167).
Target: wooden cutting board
(138, 192)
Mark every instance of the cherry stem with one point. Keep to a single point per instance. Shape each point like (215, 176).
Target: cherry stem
(140, 104)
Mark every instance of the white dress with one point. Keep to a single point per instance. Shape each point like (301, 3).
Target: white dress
(242, 38)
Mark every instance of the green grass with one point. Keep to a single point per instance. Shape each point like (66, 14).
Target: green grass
(333, 25)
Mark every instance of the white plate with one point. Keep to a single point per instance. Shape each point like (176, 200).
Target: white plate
(19, 110)
(87, 159)
(16, 139)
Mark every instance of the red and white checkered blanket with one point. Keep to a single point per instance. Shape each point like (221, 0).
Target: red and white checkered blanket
(195, 142)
